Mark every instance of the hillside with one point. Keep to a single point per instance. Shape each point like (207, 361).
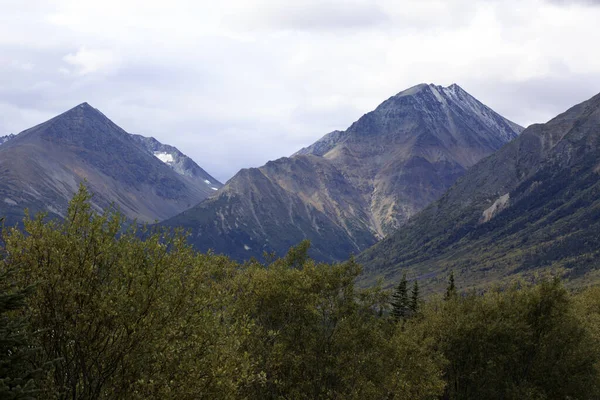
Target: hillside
(532, 206)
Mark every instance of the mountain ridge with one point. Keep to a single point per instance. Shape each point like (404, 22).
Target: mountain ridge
(178, 161)
(512, 213)
(358, 188)
(42, 167)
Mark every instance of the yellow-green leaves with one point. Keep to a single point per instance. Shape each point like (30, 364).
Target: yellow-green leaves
(128, 313)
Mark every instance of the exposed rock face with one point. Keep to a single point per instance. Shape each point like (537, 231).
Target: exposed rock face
(352, 187)
(495, 208)
(321, 146)
(41, 169)
(6, 138)
(532, 205)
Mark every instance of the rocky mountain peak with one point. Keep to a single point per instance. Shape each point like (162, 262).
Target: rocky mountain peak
(427, 103)
(414, 90)
(425, 89)
(424, 108)
(83, 111)
(83, 106)
(532, 205)
(42, 167)
(82, 127)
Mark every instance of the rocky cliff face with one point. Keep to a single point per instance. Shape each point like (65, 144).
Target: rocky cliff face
(352, 187)
(531, 206)
(41, 169)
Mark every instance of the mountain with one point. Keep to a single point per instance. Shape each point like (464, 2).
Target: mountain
(532, 206)
(6, 138)
(172, 157)
(353, 187)
(41, 168)
(179, 162)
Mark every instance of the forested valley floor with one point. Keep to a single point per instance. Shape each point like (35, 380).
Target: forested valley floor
(90, 309)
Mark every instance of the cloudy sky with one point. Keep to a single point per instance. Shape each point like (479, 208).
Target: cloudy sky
(234, 83)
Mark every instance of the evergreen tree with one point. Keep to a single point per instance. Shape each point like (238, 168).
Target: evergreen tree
(17, 376)
(400, 300)
(451, 289)
(516, 342)
(414, 299)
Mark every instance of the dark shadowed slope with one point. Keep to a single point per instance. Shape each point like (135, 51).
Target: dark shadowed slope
(533, 205)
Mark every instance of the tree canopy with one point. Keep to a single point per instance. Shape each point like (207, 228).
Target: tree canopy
(93, 307)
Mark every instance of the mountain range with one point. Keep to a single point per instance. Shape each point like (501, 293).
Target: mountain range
(531, 207)
(354, 187)
(429, 182)
(41, 168)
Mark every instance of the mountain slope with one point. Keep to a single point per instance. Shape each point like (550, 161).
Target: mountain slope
(534, 204)
(6, 138)
(252, 214)
(179, 162)
(41, 168)
(352, 187)
(408, 151)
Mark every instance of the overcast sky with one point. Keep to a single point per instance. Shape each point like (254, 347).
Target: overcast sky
(234, 83)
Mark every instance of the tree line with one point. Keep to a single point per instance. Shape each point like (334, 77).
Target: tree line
(91, 309)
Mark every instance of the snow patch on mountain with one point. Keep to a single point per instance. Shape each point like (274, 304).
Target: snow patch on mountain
(164, 157)
(178, 162)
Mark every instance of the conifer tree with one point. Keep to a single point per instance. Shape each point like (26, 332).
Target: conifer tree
(17, 376)
(451, 289)
(400, 300)
(414, 299)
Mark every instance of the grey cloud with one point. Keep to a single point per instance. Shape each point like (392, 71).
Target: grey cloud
(41, 86)
(535, 100)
